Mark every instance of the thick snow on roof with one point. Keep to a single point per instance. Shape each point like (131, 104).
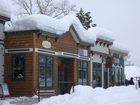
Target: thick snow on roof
(60, 26)
(132, 71)
(49, 24)
(5, 8)
(104, 34)
(119, 47)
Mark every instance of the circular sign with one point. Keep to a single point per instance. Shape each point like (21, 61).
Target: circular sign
(46, 44)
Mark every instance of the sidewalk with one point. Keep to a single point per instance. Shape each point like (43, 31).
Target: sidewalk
(19, 101)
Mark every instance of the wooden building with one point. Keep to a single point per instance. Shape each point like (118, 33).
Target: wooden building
(43, 55)
(35, 59)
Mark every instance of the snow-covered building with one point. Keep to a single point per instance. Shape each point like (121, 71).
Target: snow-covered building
(100, 57)
(4, 16)
(54, 54)
(46, 54)
(118, 53)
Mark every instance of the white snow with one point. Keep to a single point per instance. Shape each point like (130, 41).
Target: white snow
(117, 46)
(85, 95)
(5, 8)
(49, 24)
(104, 34)
(60, 26)
(132, 71)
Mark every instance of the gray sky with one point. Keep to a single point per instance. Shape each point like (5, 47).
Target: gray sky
(119, 16)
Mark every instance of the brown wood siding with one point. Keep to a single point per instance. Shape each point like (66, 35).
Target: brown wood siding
(23, 87)
(19, 41)
(65, 43)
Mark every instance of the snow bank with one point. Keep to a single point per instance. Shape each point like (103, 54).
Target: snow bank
(132, 71)
(85, 95)
(5, 8)
(119, 47)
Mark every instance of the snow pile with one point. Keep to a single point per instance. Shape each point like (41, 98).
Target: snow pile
(85, 95)
(5, 8)
(119, 47)
(132, 71)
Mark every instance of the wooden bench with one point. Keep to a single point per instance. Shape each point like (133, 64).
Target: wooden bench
(46, 92)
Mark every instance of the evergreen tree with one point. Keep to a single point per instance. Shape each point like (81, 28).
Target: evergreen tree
(85, 19)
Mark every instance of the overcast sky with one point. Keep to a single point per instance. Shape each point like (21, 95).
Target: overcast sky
(120, 16)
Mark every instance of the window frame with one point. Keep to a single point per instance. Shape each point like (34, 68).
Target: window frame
(12, 66)
(83, 71)
(50, 67)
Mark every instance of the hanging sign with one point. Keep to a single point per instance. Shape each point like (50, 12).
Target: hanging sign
(46, 44)
(82, 52)
(116, 60)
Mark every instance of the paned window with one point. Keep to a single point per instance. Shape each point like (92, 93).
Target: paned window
(18, 66)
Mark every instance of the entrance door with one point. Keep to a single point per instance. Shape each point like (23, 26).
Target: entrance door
(45, 72)
(65, 75)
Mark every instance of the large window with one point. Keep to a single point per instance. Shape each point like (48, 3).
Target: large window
(82, 72)
(18, 66)
(46, 70)
(97, 74)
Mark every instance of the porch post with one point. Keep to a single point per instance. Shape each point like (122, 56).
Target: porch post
(108, 76)
(91, 71)
(102, 73)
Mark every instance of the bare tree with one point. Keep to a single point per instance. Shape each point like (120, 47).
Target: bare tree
(47, 7)
(26, 5)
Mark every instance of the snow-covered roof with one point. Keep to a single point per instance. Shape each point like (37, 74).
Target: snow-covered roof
(49, 24)
(104, 34)
(132, 71)
(119, 47)
(5, 8)
(60, 26)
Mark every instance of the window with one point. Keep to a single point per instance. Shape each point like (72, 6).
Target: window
(18, 67)
(82, 72)
(46, 69)
(97, 74)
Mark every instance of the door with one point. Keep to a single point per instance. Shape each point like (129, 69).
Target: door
(64, 73)
(45, 72)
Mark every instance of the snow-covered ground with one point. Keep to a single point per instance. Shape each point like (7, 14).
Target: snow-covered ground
(85, 95)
